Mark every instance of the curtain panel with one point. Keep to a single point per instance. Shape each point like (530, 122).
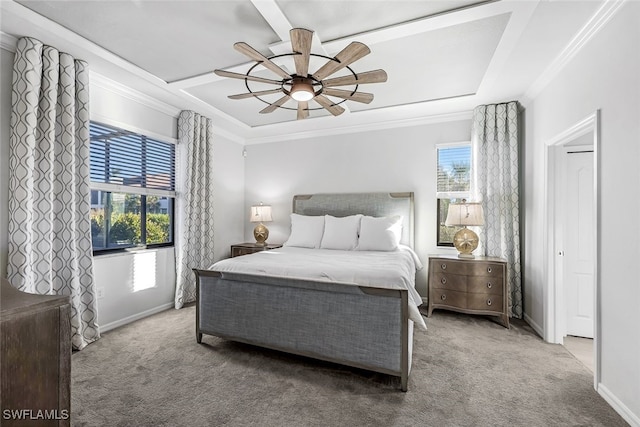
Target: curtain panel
(196, 240)
(50, 248)
(495, 144)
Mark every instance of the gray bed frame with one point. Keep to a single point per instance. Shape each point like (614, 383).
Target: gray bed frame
(358, 326)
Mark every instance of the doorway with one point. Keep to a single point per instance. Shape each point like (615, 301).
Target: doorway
(572, 303)
(575, 246)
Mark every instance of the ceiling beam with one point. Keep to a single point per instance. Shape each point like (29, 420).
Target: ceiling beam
(274, 16)
(517, 24)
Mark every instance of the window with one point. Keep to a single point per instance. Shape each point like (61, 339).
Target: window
(132, 189)
(453, 185)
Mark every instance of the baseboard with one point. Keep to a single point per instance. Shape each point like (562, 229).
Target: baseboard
(133, 318)
(534, 325)
(620, 408)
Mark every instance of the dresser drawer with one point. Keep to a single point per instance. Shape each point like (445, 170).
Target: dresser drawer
(251, 248)
(485, 269)
(487, 302)
(453, 282)
(448, 266)
(241, 251)
(484, 285)
(450, 298)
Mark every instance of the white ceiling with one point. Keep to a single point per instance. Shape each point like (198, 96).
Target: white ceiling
(441, 56)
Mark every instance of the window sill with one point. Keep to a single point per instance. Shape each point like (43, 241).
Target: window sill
(130, 251)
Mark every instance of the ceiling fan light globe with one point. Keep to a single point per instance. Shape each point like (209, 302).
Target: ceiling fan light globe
(302, 92)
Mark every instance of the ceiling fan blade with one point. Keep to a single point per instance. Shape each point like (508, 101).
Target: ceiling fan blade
(301, 43)
(346, 56)
(303, 110)
(252, 94)
(376, 76)
(363, 97)
(242, 47)
(336, 110)
(223, 73)
(273, 107)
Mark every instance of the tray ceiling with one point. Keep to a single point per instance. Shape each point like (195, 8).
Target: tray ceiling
(440, 57)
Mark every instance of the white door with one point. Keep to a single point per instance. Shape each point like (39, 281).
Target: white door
(579, 230)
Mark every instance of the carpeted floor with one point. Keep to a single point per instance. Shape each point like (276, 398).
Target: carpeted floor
(467, 371)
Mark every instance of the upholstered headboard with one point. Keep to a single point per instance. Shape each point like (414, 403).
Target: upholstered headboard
(371, 204)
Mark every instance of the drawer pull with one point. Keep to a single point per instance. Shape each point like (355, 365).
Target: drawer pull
(489, 270)
(443, 297)
(489, 301)
(443, 280)
(443, 266)
(489, 285)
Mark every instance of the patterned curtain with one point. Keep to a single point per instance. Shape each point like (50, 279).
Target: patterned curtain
(196, 246)
(50, 248)
(494, 138)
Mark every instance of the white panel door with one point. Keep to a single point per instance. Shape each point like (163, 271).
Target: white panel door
(578, 239)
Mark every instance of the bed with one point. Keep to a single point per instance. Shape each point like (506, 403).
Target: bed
(303, 300)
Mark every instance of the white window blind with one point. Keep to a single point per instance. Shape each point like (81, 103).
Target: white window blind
(454, 171)
(124, 161)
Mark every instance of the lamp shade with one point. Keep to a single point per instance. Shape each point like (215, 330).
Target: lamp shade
(261, 213)
(465, 214)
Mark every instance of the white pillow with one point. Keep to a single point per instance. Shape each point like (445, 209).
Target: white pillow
(379, 234)
(306, 231)
(340, 233)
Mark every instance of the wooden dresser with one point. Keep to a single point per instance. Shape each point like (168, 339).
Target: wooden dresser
(35, 364)
(473, 286)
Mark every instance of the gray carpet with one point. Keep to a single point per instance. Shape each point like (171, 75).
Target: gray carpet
(467, 371)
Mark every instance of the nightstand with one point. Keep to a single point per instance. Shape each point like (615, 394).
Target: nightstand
(472, 286)
(250, 248)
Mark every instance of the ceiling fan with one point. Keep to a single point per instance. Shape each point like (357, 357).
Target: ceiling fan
(302, 86)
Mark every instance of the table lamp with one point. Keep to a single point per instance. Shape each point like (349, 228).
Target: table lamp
(260, 213)
(465, 214)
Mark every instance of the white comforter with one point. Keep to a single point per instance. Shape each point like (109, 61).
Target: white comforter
(389, 270)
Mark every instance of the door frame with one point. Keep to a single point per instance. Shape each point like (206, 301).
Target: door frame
(554, 326)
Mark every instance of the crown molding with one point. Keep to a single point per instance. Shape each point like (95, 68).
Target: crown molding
(223, 133)
(132, 94)
(364, 127)
(602, 16)
(8, 42)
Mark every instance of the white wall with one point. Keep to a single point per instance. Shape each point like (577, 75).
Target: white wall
(116, 275)
(401, 159)
(135, 284)
(228, 194)
(604, 75)
(132, 284)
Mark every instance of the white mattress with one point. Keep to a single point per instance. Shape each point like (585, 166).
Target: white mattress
(388, 270)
